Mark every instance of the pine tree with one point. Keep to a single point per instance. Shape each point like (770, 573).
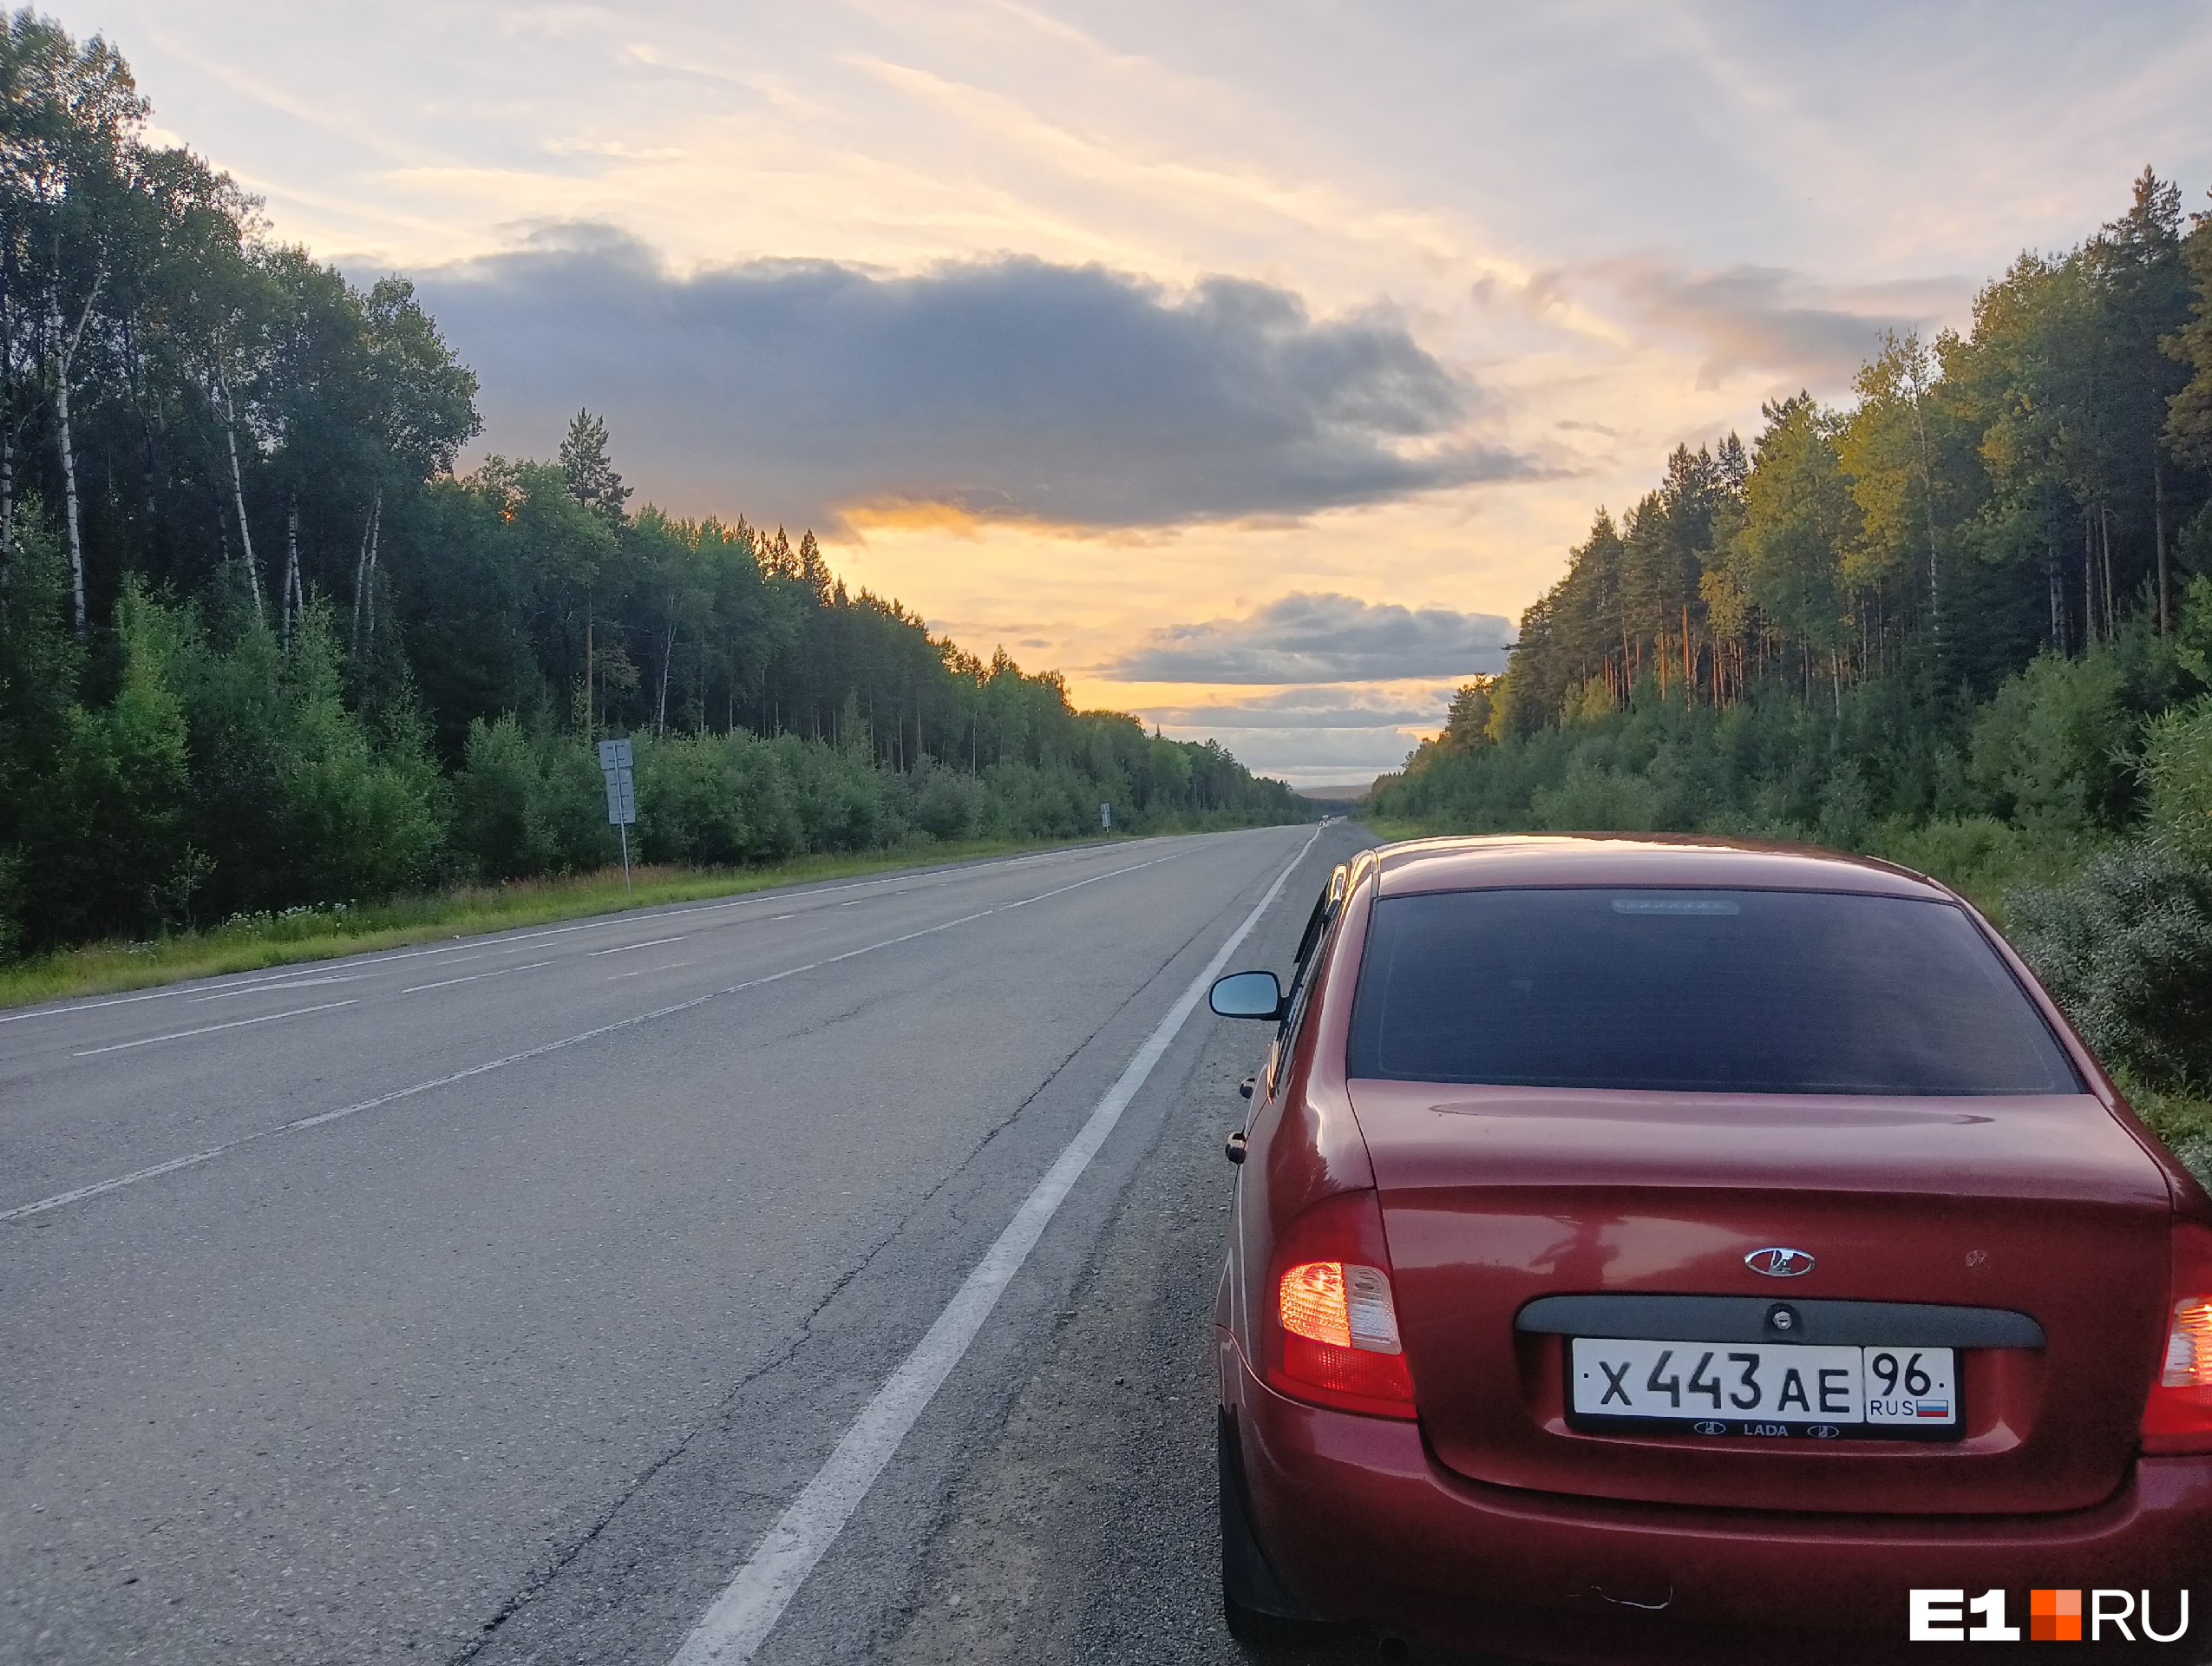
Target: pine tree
(592, 481)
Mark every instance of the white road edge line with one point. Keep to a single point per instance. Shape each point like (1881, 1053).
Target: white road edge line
(210, 1029)
(743, 1616)
(79, 1194)
(494, 941)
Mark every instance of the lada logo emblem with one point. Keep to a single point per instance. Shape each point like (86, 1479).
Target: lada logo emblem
(1779, 1261)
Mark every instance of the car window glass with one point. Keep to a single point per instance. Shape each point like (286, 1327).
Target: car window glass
(1714, 991)
(1319, 928)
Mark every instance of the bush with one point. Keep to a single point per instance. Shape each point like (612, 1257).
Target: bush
(2178, 768)
(1978, 855)
(1027, 802)
(572, 813)
(946, 805)
(111, 817)
(2126, 948)
(843, 802)
(299, 798)
(498, 819)
(2050, 750)
(714, 800)
(1590, 797)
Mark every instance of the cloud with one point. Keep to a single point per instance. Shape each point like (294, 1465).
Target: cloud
(1322, 637)
(1747, 318)
(1001, 387)
(1326, 707)
(1332, 756)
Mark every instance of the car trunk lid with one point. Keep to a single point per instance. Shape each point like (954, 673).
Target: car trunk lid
(2043, 1206)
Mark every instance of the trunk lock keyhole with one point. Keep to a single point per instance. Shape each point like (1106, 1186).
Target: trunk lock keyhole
(1783, 1317)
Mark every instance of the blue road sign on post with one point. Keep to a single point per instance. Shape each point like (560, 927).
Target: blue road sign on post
(621, 795)
(1105, 815)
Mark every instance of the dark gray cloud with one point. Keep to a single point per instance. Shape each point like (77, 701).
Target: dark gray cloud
(1771, 318)
(1012, 388)
(1322, 637)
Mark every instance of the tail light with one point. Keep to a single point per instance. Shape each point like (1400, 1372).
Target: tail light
(2179, 1416)
(1333, 1337)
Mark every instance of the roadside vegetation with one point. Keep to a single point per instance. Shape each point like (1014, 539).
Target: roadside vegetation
(1964, 623)
(264, 657)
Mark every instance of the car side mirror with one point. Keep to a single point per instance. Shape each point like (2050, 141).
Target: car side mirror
(1246, 994)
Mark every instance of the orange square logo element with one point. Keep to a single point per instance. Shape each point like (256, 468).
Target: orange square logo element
(2054, 1615)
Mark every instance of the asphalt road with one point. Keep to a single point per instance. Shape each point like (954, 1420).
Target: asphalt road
(491, 1302)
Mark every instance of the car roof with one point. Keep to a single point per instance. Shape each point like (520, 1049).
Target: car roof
(1568, 859)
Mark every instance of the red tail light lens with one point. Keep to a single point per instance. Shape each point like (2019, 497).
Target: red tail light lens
(2179, 1416)
(1334, 1339)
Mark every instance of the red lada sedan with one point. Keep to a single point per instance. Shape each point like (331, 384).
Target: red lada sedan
(1675, 1251)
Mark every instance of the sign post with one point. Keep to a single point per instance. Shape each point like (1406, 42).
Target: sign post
(621, 795)
(1105, 815)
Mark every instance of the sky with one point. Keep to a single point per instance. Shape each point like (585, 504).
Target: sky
(1254, 364)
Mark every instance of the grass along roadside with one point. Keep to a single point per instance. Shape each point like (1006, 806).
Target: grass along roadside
(253, 941)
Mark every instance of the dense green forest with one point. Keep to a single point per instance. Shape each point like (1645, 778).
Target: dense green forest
(1964, 622)
(260, 647)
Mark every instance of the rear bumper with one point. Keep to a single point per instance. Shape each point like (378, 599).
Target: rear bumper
(1363, 1526)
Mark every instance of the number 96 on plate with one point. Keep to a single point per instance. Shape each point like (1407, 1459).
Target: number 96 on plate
(1762, 1388)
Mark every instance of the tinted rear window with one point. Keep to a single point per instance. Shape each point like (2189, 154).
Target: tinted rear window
(1708, 991)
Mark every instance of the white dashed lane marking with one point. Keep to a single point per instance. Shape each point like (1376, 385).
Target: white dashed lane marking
(210, 1029)
(496, 971)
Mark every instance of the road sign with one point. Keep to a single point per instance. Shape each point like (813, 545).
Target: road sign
(1105, 815)
(621, 798)
(621, 784)
(621, 795)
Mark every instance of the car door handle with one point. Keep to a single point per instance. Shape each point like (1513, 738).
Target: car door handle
(1233, 1148)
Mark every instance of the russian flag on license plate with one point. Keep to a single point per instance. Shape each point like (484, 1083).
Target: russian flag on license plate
(1932, 1408)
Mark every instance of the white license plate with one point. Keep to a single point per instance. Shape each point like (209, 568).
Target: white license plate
(1763, 1388)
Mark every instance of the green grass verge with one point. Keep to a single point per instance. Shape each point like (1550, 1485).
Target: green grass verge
(253, 941)
(1390, 829)
(2181, 1120)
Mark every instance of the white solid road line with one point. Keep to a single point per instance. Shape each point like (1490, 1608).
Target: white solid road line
(651, 943)
(79, 1194)
(741, 1618)
(189, 988)
(69, 1008)
(473, 977)
(210, 1029)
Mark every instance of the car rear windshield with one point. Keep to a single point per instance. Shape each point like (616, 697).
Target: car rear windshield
(1700, 991)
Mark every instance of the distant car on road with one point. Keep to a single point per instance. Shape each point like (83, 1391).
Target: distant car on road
(1653, 1249)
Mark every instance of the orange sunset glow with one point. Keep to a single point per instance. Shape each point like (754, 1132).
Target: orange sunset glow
(1098, 332)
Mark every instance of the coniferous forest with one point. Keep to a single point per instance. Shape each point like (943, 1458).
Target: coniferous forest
(1963, 621)
(261, 647)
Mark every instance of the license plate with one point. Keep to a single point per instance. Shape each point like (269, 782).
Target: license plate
(1764, 1389)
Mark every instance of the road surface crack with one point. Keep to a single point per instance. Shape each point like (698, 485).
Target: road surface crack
(804, 1333)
